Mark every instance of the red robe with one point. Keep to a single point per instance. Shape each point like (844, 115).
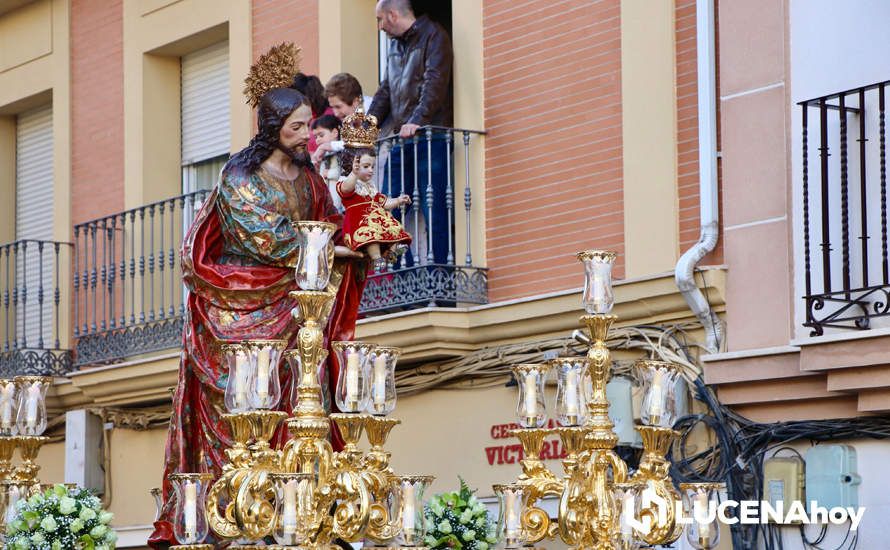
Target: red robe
(227, 301)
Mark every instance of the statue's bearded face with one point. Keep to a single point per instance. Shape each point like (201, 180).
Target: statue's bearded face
(294, 134)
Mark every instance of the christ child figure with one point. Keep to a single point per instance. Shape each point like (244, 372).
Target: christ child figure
(368, 225)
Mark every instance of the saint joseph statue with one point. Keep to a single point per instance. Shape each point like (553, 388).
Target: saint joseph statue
(238, 259)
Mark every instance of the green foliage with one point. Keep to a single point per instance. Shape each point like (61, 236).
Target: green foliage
(60, 519)
(457, 519)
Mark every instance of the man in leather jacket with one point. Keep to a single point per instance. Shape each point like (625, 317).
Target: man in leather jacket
(416, 92)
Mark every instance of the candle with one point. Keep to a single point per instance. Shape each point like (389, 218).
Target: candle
(7, 397)
(379, 382)
(317, 242)
(704, 528)
(289, 513)
(571, 396)
(656, 407)
(512, 519)
(626, 509)
(33, 398)
(531, 397)
(262, 374)
(351, 376)
(190, 512)
(240, 381)
(408, 508)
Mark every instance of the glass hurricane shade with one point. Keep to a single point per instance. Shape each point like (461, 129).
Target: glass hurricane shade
(254, 382)
(659, 379)
(296, 366)
(531, 409)
(31, 415)
(8, 407)
(293, 504)
(597, 296)
(351, 394)
(316, 254)
(190, 522)
(409, 491)
(571, 390)
(627, 504)
(511, 506)
(699, 499)
(382, 380)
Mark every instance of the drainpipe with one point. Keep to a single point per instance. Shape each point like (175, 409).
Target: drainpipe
(684, 273)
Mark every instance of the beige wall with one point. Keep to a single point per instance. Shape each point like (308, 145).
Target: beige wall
(469, 113)
(156, 35)
(649, 133)
(137, 465)
(347, 41)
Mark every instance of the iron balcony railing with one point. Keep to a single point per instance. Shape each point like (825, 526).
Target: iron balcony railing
(34, 275)
(432, 168)
(128, 292)
(844, 178)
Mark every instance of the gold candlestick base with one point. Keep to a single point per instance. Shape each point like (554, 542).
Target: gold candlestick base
(7, 449)
(29, 448)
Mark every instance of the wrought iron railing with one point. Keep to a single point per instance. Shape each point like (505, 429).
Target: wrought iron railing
(844, 178)
(34, 277)
(433, 168)
(128, 293)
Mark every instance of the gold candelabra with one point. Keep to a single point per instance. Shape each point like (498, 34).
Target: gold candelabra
(305, 494)
(602, 506)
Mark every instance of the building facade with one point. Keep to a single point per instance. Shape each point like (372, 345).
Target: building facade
(576, 125)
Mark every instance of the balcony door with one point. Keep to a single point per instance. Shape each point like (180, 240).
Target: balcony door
(33, 222)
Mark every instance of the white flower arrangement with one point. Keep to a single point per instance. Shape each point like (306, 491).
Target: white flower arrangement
(458, 519)
(61, 519)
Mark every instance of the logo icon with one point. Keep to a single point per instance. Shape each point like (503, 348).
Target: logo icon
(651, 501)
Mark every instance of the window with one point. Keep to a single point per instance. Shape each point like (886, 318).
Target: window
(206, 133)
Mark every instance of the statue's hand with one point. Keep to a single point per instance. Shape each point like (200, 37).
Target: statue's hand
(346, 252)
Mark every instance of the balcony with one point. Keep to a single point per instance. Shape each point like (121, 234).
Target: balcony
(844, 208)
(33, 278)
(128, 293)
(431, 273)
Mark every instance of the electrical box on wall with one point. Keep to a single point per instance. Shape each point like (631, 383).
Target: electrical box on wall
(619, 392)
(831, 476)
(783, 480)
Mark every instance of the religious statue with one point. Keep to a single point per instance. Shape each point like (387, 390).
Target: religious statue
(238, 258)
(368, 225)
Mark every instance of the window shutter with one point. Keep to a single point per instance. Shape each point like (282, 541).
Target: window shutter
(205, 104)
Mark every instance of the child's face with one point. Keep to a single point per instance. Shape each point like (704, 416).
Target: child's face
(366, 168)
(323, 135)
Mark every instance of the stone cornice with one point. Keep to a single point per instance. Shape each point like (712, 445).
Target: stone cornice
(425, 335)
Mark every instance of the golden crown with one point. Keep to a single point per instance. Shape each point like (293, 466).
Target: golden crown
(274, 69)
(359, 130)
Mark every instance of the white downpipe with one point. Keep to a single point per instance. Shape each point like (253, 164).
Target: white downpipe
(684, 273)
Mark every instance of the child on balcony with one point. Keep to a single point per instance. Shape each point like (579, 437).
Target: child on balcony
(367, 223)
(326, 129)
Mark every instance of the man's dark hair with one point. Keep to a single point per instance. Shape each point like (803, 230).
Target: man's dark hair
(274, 108)
(327, 121)
(345, 86)
(401, 6)
(311, 87)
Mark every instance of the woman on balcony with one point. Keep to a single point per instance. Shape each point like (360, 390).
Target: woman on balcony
(238, 260)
